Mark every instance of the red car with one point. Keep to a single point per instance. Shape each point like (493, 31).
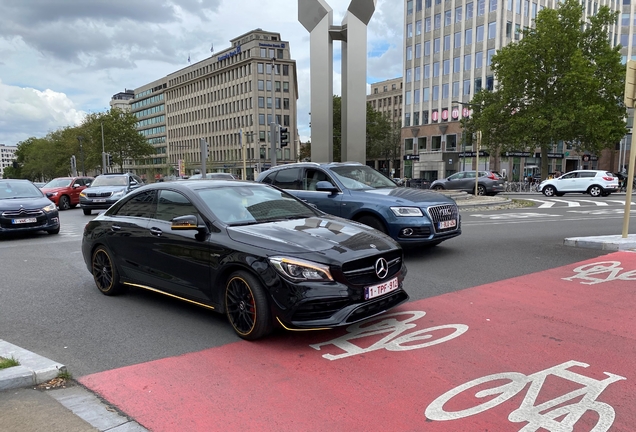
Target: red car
(65, 191)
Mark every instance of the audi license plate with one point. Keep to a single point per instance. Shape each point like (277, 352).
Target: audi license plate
(380, 289)
(448, 224)
(23, 221)
(99, 200)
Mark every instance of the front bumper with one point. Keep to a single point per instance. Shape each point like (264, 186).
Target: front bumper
(97, 204)
(322, 305)
(47, 222)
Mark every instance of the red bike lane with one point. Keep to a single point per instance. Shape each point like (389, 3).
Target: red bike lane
(554, 350)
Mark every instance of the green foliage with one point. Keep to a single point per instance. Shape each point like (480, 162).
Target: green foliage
(6, 363)
(383, 137)
(561, 82)
(49, 157)
(305, 151)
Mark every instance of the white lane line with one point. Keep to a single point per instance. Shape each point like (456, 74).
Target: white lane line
(619, 202)
(545, 204)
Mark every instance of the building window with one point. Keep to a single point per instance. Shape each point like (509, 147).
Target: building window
(427, 24)
(427, 48)
(435, 93)
(436, 45)
(427, 71)
(416, 118)
(260, 68)
(455, 89)
(456, 65)
(426, 94)
(458, 14)
(468, 37)
(408, 145)
(285, 70)
(491, 53)
(481, 7)
(417, 75)
(469, 11)
(416, 96)
(261, 119)
(458, 40)
(279, 54)
(436, 143)
(448, 18)
(409, 30)
(418, 50)
(286, 86)
(261, 102)
(451, 143)
(409, 53)
(493, 5)
(477, 85)
(446, 67)
(467, 62)
(466, 87)
(286, 103)
(492, 30)
(418, 27)
(407, 121)
(478, 60)
(409, 7)
(490, 83)
(261, 85)
(445, 91)
(480, 33)
(435, 69)
(421, 144)
(407, 98)
(447, 42)
(438, 20)
(408, 75)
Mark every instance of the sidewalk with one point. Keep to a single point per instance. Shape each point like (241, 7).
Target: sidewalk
(24, 407)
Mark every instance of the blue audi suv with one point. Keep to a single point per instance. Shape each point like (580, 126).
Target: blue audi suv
(360, 193)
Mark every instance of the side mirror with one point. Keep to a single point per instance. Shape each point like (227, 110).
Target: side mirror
(325, 186)
(187, 223)
(49, 194)
(76, 185)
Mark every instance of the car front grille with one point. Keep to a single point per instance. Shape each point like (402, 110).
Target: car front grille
(362, 271)
(6, 218)
(444, 212)
(319, 309)
(98, 194)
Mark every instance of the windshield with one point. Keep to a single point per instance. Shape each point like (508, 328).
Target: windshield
(110, 181)
(58, 182)
(19, 189)
(249, 204)
(362, 177)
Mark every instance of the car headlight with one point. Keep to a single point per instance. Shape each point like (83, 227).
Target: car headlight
(50, 208)
(54, 193)
(118, 194)
(83, 194)
(301, 270)
(407, 211)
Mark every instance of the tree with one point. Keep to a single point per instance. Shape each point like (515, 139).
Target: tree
(305, 151)
(561, 82)
(121, 138)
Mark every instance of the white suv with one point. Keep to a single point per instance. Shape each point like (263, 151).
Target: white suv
(593, 182)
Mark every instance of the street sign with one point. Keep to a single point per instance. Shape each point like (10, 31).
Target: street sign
(412, 157)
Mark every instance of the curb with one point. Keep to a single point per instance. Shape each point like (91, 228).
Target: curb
(609, 243)
(33, 369)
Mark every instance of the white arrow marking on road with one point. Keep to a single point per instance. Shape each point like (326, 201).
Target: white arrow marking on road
(569, 203)
(598, 203)
(620, 202)
(546, 204)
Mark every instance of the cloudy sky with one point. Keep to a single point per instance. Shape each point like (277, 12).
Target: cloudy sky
(61, 59)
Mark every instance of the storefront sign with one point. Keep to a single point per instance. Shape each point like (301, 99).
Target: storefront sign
(229, 54)
(550, 155)
(516, 154)
(482, 153)
(272, 45)
(411, 157)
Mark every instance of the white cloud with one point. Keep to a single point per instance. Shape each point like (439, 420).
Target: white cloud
(85, 54)
(26, 112)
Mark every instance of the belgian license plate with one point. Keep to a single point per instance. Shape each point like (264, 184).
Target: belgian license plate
(24, 221)
(448, 224)
(99, 200)
(380, 289)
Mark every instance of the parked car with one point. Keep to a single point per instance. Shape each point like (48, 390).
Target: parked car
(418, 183)
(489, 182)
(24, 207)
(248, 250)
(360, 193)
(213, 176)
(107, 189)
(593, 182)
(65, 191)
(39, 184)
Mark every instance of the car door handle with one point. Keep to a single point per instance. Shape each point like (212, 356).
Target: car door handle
(115, 228)
(156, 232)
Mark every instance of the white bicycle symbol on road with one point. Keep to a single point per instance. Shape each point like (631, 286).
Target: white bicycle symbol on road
(610, 270)
(537, 416)
(393, 326)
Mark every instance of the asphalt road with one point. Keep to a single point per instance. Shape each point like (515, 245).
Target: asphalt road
(49, 304)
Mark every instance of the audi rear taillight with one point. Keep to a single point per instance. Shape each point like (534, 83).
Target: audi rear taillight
(492, 176)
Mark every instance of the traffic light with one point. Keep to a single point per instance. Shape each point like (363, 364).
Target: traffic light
(284, 137)
(109, 159)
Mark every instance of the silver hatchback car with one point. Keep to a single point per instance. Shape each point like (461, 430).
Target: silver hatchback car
(593, 182)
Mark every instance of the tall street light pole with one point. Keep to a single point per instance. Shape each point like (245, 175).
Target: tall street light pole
(80, 138)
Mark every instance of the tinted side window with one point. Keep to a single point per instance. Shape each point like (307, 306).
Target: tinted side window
(312, 177)
(569, 176)
(172, 204)
(140, 205)
(269, 179)
(587, 174)
(287, 178)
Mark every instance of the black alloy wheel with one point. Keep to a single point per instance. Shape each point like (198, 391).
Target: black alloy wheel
(481, 190)
(105, 273)
(54, 231)
(64, 203)
(438, 187)
(246, 306)
(373, 222)
(549, 191)
(87, 212)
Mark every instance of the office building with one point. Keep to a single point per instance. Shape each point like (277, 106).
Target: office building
(7, 156)
(228, 101)
(386, 97)
(448, 48)
(122, 100)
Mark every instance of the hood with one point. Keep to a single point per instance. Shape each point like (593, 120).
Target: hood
(101, 189)
(315, 234)
(55, 189)
(410, 196)
(26, 203)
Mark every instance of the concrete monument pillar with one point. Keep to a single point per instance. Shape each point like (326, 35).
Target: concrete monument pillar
(317, 17)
